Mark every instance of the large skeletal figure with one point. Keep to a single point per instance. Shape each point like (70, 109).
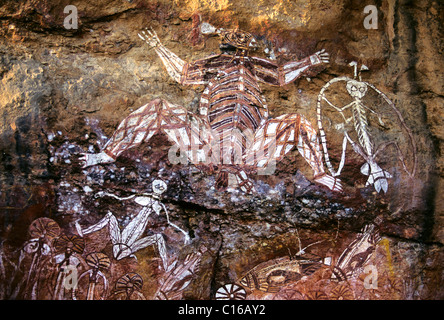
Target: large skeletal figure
(129, 240)
(233, 124)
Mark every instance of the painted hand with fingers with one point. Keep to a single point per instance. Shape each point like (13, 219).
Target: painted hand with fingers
(150, 37)
(320, 57)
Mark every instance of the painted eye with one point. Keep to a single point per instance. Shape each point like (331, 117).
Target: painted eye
(362, 89)
(354, 88)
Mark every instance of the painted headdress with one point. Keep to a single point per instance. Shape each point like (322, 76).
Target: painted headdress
(233, 37)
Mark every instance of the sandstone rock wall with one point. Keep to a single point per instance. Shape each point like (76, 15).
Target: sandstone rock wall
(65, 91)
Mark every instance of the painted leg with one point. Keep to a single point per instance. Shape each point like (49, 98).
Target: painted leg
(153, 240)
(233, 176)
(276, 137)
(310, 149)
(120, 249)
(137, 127)
(106, 220)
(156, 116)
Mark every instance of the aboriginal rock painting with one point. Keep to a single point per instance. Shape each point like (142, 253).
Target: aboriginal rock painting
(367, 116)
(179, 277)
(271, 275)
(363, 270)
(55, 265)
(233, 133)
(119, 242)
(127, 241)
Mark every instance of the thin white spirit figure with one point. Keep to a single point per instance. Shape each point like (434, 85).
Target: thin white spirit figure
(129, 240)
(363, 142)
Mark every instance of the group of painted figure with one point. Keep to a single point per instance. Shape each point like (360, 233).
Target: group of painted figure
(234, 137)
(54, 264)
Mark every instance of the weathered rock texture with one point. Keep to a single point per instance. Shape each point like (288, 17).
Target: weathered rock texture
(64, 92)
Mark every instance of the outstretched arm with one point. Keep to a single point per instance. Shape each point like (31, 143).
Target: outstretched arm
(292, 70)
(195, 72)
(187, 237)
(269, 72)
(103, 193)
(172, 62)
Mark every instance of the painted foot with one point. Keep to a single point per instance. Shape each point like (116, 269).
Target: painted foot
(92, 159)
(332, 183)
(376, 176)
(247, 186)
(244, 183)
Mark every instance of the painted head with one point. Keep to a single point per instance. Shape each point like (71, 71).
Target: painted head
(231, 38)
(159, 186)
(356, 89)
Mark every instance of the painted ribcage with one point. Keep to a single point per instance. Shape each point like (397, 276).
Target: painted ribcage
(236, 108)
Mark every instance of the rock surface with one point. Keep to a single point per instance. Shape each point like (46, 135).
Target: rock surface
(64, 92)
